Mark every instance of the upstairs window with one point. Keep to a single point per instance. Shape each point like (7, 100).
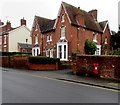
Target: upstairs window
(63, 18)
(105, 42)
(49, 38)
(63, 32)
(36, 39)
(5, 37)
(94, 37)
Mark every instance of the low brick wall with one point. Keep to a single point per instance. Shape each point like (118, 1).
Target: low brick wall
(22, 62)
(32, 66)
(4, 61)
(108, 66)
(14, 61)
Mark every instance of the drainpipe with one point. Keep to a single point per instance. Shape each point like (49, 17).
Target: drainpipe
(77, 38)
(42, 46)
(101, 44)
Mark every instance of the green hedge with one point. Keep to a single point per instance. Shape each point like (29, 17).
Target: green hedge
(13, 53)
(43, 60)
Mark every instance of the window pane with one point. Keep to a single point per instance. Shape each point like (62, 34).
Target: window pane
(4, 39)
(60, 52)
(51, 52)
(64, 51)
(62, 31)
(37, 52)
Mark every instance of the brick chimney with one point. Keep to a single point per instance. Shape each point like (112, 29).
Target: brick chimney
(8, 25)
(23, 22)
(94, 14)
(1, 23)
(80, 17)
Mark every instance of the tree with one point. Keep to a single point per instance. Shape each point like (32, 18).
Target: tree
(117, 40)
(90, 47)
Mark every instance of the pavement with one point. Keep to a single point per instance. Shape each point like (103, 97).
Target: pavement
(67, 75)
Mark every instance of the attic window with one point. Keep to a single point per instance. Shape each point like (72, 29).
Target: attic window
(63, 18)
(105, 41)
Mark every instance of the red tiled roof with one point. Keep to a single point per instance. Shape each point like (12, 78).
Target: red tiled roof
(89, 21)
(45, 25)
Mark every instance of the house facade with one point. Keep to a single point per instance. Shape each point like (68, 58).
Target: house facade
(68, 32)
(10, 37)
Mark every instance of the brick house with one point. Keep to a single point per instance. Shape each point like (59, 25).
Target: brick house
(10, 37)
(68, 32)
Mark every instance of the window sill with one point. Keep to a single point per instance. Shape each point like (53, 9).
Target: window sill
(95, 41)
(63, 59)
(62, 38)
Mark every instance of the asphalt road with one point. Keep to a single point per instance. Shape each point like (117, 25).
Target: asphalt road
(26, 88)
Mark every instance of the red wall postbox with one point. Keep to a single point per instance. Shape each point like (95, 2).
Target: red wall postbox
(95, 68)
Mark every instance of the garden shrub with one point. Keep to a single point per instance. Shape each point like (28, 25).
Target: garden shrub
(43, 60)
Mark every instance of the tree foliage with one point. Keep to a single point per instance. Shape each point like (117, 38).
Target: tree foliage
(116, 52)
(117, 40)
(90, 47)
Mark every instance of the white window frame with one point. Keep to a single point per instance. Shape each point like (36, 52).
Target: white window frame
(63, 18)
(105, 41)
(36, 39)
(47, 52)
(34, 51)
(63, 32)
(94, 37)
(50, 37)
(51, 52)
(98, 51)
(62, 44)
(5, 39)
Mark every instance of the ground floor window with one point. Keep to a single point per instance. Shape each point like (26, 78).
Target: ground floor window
(98, 51)
(36, 51)
(62, 51)
(49, 52)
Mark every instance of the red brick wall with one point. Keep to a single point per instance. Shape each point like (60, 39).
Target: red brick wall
(22, 62)
(108, 66)
(32, 66)
(14, 61)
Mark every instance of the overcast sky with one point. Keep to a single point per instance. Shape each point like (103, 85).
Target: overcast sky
(14, 10)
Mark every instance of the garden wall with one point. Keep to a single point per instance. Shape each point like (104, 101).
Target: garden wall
(22, 62)
(108, 66)
(14, 61)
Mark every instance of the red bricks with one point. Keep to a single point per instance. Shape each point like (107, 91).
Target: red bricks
(108, 66)
(33, 66)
